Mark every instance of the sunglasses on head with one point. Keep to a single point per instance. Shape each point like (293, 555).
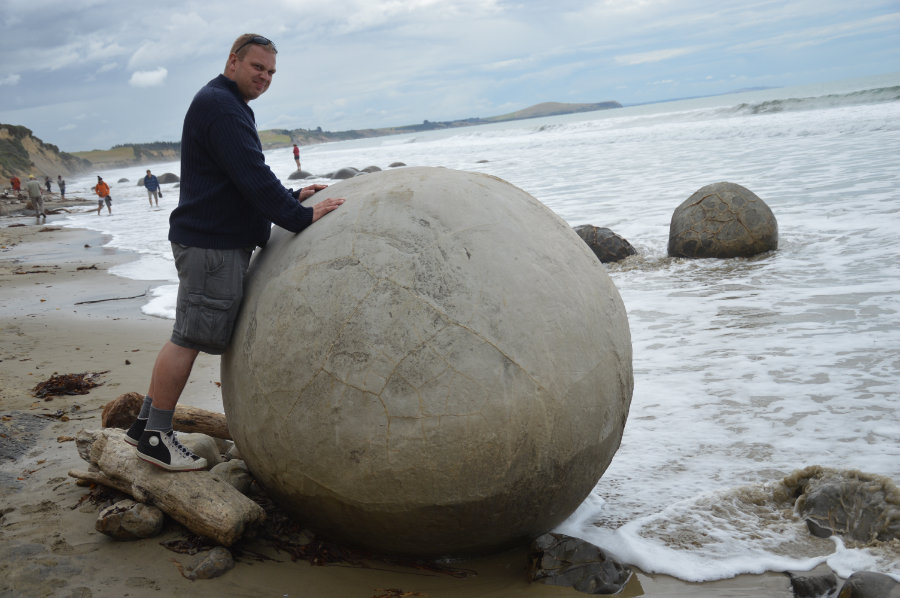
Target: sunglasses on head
(257, 40)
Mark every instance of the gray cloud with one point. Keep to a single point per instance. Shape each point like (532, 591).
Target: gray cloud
(367, 63)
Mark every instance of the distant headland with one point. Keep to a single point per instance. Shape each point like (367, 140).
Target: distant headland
(21, 153)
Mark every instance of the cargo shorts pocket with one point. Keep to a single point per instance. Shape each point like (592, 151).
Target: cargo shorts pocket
(208, 321)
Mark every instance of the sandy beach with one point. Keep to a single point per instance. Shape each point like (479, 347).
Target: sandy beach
(63, 313)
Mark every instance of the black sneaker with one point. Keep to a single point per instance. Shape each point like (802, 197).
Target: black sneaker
(133, 435)
(163, 450)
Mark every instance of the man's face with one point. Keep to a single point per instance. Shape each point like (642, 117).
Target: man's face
(254, 73)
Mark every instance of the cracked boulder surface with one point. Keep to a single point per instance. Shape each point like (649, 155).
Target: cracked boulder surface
(722, 220)
(440, 366)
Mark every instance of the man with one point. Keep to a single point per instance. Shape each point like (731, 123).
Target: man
(228, 202)
(62, 187)
(152, 185)
(102, 191)
(297, 156)
(34, 193)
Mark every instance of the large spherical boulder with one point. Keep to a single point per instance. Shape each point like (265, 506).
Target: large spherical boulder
(168, 177)
(440, 366)
(722, 220)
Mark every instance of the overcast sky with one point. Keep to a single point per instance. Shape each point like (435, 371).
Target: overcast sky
(89, 74)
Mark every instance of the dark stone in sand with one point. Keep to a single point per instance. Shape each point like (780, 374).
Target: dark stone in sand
(371, 169)
(722, 220)
(234, 472)
(208, 565)
(122, 181)
(396, 164)
(561, 560)
(130, 520)
(299, 174)
(606, 245)
(168, 177)
(813, 586)
(868, 584)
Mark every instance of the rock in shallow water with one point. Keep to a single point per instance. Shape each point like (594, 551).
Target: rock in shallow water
(439, 366)
(722, 220)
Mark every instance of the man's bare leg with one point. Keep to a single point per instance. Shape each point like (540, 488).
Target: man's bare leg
(170, 374)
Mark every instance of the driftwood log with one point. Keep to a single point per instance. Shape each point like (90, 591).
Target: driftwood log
(197, 500)
(121, 411)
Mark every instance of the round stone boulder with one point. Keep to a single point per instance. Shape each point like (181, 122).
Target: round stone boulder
(606, 245)
(440, 366)
(168, 177)
(722, 220)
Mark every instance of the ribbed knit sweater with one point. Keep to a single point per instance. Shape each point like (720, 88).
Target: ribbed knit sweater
(229, 196)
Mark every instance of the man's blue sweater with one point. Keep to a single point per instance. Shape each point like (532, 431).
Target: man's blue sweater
(229, 197)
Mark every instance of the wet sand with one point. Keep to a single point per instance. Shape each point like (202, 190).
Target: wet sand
(62, 313)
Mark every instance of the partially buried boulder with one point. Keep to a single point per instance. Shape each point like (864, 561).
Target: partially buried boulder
(869, 584)
(344, 173)
(722, 220)
(859, 506)
(561, 560)
(168, 177)
(606, 245)
(299, 174)
(407, 360)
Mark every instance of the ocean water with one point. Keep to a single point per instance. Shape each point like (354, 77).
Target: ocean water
(745, 369)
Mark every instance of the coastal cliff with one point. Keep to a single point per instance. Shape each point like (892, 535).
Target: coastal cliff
(21, 154)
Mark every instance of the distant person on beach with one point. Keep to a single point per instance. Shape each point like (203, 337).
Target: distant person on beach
(47, 183)
(62, 187)
(229, 200)
(102, 190)
(34, 193)
(16, 184)
(152, 185)
(297, 156)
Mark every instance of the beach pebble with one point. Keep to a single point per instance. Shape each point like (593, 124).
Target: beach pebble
(130, 520)
(722, 220)
(560, 560)
(203, 446)
(234, 472)
(208, 565)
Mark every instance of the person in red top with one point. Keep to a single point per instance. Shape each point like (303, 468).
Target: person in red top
(16, 183)
(102, 190)
(297, 156)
